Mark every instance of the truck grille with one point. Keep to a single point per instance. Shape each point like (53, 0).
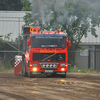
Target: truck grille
(50, 56)
(45, 65)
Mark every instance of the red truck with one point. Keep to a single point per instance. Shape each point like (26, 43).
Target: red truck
(45, 53)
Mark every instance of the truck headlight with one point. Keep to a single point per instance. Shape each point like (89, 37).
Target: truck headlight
(34, 64)
(62, 64)
(34, 69)
(62, 69)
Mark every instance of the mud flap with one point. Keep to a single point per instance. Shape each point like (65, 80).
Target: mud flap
(18, 65)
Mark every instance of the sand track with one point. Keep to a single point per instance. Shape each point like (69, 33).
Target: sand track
(73, 87)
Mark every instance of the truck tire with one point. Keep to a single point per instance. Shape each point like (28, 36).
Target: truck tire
(25, 74)
(63, 76)
(54, 74)
(29, 73)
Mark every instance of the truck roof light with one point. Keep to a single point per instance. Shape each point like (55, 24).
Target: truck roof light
(31, 29)
(38, 29)
(35, 29)
(49, 60)
(58, 31)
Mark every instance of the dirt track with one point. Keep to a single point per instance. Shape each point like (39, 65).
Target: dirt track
(74, 87)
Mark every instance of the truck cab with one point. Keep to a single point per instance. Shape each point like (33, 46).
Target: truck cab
(45, 53)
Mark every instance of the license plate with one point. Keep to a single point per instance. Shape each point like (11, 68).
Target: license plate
(49, 71)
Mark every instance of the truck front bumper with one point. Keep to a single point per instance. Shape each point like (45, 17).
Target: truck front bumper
(39, 70)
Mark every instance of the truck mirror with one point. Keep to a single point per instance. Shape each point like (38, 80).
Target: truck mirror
(28, 42)
(69, 43)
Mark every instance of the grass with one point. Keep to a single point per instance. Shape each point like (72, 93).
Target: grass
(7, 68)
(3, 69)
(78, 70)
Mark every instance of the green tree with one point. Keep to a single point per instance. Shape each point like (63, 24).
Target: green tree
(26, 5)
(12, 5)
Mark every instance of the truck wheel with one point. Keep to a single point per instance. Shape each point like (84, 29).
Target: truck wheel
(22, 73)
(25, 74)
(29, 73)
(54, 74)
(64, 75)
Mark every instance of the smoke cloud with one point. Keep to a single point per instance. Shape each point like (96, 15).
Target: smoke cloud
(42, 11)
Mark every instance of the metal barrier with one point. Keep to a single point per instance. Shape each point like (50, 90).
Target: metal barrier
(18, 65)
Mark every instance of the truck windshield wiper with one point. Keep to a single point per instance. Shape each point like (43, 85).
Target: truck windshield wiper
(49, 56)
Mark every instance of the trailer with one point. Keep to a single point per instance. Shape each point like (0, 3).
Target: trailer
(44, 52)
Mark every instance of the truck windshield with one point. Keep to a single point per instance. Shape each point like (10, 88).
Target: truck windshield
(48, 42)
